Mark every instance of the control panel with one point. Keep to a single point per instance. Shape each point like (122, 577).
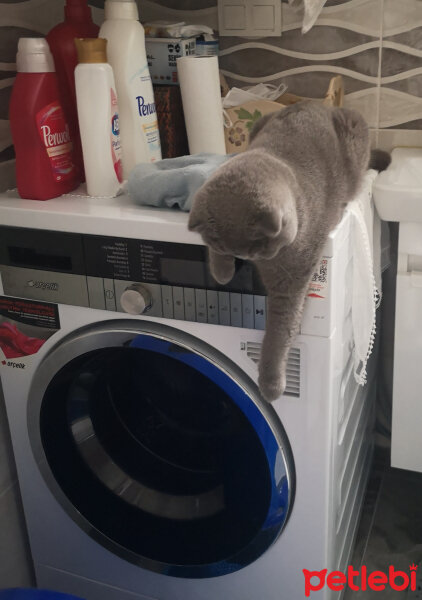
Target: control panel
(138, 277)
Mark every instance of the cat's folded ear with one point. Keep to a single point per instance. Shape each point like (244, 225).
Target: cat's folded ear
(348, 122)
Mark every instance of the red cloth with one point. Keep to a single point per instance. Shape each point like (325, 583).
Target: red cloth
(15, 344)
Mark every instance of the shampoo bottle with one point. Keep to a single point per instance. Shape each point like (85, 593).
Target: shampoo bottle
(61, 39)
(98, 118)
(126, 54)
(44, 153)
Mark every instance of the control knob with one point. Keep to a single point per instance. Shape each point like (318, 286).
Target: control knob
(136, 299)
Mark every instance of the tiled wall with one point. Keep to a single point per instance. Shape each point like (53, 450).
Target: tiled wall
(15, 561)
(376, 45)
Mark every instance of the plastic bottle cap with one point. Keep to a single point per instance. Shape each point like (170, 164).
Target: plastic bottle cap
(91, 50)
(34, 56)
(121, 9)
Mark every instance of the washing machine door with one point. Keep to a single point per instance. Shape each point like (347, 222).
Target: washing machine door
(161, 448)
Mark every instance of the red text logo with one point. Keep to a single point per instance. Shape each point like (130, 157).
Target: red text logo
(360, 580)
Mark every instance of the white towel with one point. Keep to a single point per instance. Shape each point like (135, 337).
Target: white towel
(310, 9)
(366, 232)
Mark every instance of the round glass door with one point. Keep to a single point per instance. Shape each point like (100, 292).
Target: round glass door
(167, 456)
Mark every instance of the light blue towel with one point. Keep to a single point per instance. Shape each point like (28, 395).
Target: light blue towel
(172, 182)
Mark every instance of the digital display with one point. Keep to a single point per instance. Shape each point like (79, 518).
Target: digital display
(30, 257)
(190, 273)
(196, 273)
(55, 251)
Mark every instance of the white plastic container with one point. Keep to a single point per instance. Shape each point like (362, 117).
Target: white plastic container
(127, 56)
(98, 119)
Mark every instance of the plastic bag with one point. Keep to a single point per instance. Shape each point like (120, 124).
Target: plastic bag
(164, 29)
(240, 118)
(237, 96)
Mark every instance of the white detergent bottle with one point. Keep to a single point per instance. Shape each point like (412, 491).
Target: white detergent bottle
(98, 117)
(126, 54)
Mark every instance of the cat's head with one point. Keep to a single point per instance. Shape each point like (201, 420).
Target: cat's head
(246, 209)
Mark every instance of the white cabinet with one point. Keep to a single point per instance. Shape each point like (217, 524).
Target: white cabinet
(244, 18)
(398, 197)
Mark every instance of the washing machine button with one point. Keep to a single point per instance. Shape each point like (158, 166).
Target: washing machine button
(109, 294)
(136, 299)
(224, 308)
(260, 313)
(212, 306)
(178, 303)
(190, 304)
(167, 296)
(201, 306)
(248, 311)
(236, 309)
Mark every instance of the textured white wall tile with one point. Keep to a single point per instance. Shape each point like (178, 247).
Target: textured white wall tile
(401, 16)
(42, 15)
(373, 136)
(362, 16)
(393, 138)
(36, 15)
(398, 107)
(365, 102)
(152, 11)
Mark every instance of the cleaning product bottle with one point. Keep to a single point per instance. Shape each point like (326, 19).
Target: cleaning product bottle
(44, 152)
(61, 39)
(98, 118)
(126, 54)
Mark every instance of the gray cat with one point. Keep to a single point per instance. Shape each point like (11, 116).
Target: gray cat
(275, 205)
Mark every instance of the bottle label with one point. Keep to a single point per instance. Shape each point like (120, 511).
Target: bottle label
(147, 111)
(54, 133)
(116, 151)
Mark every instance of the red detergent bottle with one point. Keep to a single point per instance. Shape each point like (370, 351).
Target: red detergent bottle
(77, 24)
(44, 153)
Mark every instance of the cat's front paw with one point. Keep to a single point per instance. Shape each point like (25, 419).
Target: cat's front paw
(271, 387)
(224, 274)
(222, 267)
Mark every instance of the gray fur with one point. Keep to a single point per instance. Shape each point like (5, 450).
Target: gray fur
(275, 205)
(379, 160)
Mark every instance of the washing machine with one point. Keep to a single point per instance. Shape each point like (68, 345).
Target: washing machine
(150, 466)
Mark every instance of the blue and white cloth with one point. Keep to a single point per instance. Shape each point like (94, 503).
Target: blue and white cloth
(172, 182)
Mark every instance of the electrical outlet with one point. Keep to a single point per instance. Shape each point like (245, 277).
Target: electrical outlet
(249, 18)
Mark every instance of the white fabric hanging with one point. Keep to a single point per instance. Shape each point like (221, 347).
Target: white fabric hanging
(366, 239)
(310, 9)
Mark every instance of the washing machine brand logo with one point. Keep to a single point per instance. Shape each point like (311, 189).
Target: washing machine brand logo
(13, 364)
(43, 285)
(360, 580)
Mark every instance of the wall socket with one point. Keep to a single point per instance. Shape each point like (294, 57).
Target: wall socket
(249, 18)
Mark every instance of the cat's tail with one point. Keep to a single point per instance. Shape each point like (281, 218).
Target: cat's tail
(379, 160)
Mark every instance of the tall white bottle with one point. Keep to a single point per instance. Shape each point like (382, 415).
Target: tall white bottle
(126, 54)
(98, 116)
